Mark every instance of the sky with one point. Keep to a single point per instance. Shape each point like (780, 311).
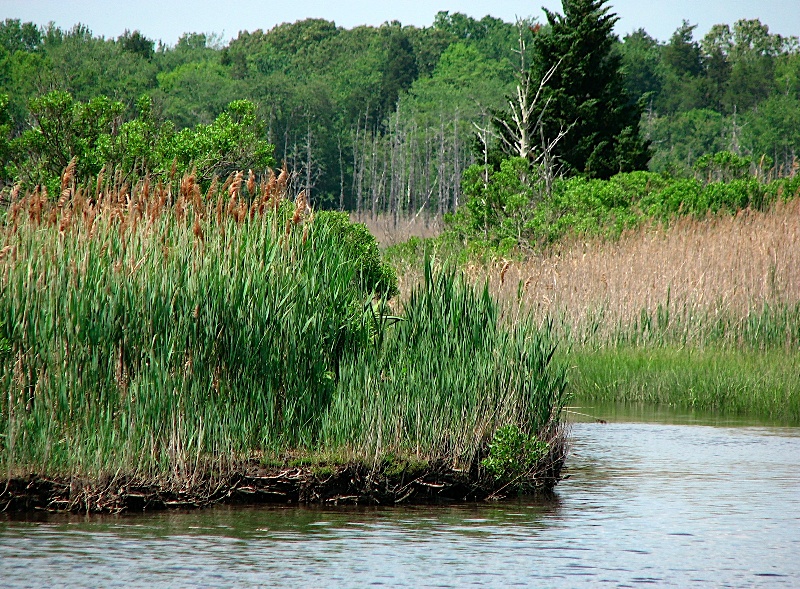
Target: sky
(166, 20)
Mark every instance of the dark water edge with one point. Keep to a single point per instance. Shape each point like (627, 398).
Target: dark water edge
(685, 504)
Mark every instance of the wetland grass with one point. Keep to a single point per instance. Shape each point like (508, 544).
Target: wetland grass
(704, 313)
(187, 344)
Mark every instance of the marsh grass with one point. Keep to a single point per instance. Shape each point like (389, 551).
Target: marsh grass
(701, 313)
(173, 332)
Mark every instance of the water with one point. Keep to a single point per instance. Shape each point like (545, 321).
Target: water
(653, 499)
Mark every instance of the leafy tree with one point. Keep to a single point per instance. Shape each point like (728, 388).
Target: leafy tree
(752, 57)
(683, 68)
(137, 43)
(64, 129)
(641, 65)
(6, 166)
(586, 93)
(773, 129)
(234, 141)
(18, 36)
(400, 70)
(462, 81)
(196, 92)
(683, 138)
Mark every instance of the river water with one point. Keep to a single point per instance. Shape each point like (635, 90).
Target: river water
(653, 498)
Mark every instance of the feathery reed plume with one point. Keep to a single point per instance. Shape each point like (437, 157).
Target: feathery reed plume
(197, 229)
(282, 183)
(145, 190)
(34, 206)
(66, 181)
(251, 183)
(187, 185)
(236, 185)
(212, 188)
(503, 271)
(99, 184)
(301, 208)
(219, 211)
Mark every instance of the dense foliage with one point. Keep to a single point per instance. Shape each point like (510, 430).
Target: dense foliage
(586, 95)
(179, 340)
(381, 118)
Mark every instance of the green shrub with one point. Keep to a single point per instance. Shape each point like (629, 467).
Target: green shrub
(513, 453)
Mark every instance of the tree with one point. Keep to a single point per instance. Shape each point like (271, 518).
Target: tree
(400, 70)
(641, 61)
(586, 92)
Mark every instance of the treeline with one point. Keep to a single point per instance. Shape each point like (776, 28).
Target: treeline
(370, 119)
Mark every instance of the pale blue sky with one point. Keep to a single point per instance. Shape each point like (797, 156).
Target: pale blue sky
(166, 20)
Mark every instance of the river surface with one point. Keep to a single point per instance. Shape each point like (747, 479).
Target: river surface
(653, 499)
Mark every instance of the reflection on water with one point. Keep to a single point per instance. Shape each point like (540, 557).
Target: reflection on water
(646, 503)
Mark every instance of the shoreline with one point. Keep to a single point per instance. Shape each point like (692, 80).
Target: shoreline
(352, 483)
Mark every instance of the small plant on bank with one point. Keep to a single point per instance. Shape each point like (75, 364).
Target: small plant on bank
(513, 454)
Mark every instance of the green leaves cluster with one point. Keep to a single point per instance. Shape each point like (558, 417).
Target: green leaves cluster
(513, 454)
(97, 136)
(506, 209)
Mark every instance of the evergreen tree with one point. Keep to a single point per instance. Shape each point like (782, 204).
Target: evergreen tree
(586, 93)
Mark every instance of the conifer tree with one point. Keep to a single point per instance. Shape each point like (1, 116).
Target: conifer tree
(586, 92)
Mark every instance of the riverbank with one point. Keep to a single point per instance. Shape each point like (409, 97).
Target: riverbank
(731, 382)
(392, 481)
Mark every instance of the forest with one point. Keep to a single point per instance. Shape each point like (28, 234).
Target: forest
(371, 119)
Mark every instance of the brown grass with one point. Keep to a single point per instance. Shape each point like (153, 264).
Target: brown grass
(725, 264)
(389, 230)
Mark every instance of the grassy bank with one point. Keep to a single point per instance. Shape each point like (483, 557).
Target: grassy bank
(168, 335)
(729, 381)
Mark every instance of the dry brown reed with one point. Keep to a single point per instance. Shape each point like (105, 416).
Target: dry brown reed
(390, 230)
(718, 265)
(116, 203)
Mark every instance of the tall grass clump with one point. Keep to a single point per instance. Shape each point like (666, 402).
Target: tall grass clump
(152, 328)
(444, 379)
(171, 332)
(704, 313)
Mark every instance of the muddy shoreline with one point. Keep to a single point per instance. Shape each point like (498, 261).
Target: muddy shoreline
(348, 484)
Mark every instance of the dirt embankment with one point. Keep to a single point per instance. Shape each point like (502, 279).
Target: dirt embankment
(353, 483)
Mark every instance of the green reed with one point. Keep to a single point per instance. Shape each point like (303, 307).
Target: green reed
(160, 334)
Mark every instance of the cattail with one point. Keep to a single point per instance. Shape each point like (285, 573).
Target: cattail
(6, 252)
